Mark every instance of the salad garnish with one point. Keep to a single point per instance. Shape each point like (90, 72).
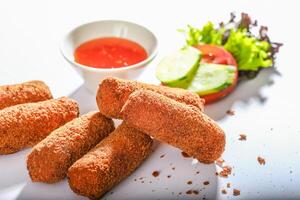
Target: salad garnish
(251, 51)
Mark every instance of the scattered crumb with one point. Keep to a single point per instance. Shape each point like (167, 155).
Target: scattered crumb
(291, 172)
(189, 182)
(217, 174)
(135, 179)
(230, 112)
(150, 182)
(141, 178)
(220, 162)
(196, 192)
(111, 192)
(261, 160)
(225, 172)
(155, 173)
(189, 192)
(185, 154)
(206, 183)
(198, 172)
(236, 192)
(173, 168)
(142, 181)
(163, 155)
(180, 193)
(224, 191)
(228, 185)
(243, 137)
(169, 176)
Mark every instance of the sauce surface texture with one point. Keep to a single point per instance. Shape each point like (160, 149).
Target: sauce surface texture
(109, 52)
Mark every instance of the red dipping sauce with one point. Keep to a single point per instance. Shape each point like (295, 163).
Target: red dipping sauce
(109, 52)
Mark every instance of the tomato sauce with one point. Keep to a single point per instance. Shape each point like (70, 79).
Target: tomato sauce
(109, 52)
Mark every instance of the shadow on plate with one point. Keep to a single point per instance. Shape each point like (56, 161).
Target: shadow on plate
(244, 91)
(12, 169)
(175, 171)
(42, 191)
(85, 99)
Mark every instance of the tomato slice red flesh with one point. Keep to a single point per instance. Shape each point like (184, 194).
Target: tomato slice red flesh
(217, 55)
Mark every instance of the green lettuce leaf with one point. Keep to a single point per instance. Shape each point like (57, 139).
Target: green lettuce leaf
(251, 52)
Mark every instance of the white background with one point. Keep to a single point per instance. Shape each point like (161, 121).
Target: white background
(267, 108)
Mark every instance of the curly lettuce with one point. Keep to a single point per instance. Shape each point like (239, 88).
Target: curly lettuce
(251, 52)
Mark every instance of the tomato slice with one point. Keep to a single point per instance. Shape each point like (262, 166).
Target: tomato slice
(217, 55)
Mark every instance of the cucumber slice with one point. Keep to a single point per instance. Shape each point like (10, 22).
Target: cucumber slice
(178, 69)
(212, 78)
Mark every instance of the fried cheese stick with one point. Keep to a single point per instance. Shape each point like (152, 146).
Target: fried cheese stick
(28, 92)
(25, 125)
(50, 159)
(111, 161)
(175, 123)
(113, 93)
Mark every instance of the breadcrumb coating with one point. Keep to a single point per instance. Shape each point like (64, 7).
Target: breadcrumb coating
(111, 161)
(28, 92)
(175, 123)
(113, 93)
(25, 125)
(50, 159)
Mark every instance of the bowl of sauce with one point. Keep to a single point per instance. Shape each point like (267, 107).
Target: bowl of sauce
(109, 48)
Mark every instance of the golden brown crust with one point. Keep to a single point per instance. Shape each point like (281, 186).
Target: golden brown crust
(28, 92)
(113, 93)
(112, 160)
(50, 159)
(175, 123)
(25, 125)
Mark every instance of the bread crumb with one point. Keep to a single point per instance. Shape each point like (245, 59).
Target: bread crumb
(228, 185)
(196, 192)
(163, 155)
(224, 191)
(206, 183)
(261, 160)
(230, 112)
(169, 176)
(243, 137)
(155, 173)
(225, 172)
(236, 192)
(189, 192)
(189, 182)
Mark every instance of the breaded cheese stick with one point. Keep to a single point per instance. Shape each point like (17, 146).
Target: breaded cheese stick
(113, 93)
(25, 125)
(175, 123)
(28, 92)
(50, 159)
(111, 161)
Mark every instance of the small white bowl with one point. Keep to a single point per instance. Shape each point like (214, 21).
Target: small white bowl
(108, 28)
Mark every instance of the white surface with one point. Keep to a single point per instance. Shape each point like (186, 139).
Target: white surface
(108, 28)
(266, 108)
